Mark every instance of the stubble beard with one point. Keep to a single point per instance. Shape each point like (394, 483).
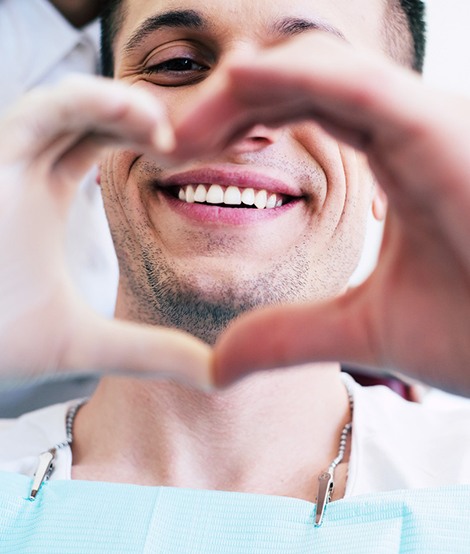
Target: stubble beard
(160, 295)
(160, 292)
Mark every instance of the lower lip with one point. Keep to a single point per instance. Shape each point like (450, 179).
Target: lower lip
(205, 213)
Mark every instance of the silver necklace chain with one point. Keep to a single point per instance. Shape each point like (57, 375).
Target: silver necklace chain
(46, 463)
(326, 481)
(69, 419)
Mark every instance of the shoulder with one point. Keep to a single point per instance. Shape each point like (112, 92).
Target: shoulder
(399, 444)
(24, 438)
(28, 20)
(382, 409)
(35, 38)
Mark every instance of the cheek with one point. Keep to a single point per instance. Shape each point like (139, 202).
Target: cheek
(348, 191)
(329, 154)
(357, 211)
(114, 170)
(359, 190)
(367, 186)
(124, 208)
(337, 240)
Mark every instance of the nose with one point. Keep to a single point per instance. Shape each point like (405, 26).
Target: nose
(256, 139)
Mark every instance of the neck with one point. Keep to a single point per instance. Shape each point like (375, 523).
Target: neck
(272, 433)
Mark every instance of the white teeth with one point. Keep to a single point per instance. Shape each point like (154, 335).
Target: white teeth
(248, 197)
(230, 196)
(189, 193)
(261, 199)
(215, 195)
(272, 200)
(200, 194)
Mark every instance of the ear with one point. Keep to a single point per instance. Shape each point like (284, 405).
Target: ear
(98, 176)
(379, 204)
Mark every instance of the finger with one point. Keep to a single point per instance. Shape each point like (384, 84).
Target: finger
(416, 139)
(281, 84)
(221, 119)
(113, 346)
(292, 335)
(53, 120)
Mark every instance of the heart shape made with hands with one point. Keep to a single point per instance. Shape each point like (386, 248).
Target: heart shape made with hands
(412, 314)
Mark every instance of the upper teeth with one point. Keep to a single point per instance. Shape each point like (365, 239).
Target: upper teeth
(232, 196)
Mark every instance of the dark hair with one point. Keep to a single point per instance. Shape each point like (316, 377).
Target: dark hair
(111, 18)
(415, 12)
(113, 13)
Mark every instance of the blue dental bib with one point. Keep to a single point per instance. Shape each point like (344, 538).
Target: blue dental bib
(85, 517)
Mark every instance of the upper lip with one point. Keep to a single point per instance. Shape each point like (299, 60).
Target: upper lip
(226, 177)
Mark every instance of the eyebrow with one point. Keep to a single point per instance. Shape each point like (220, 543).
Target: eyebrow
(191, 19)
(291, 26)
(188, 19)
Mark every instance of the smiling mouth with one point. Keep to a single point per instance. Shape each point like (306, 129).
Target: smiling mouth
(229, 196)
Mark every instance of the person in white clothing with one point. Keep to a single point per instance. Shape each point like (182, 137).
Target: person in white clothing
(241, 158)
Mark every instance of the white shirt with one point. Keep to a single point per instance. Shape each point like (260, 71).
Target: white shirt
(395, 444)
(38, 47)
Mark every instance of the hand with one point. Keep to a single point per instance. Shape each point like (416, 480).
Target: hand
(48, 141)
(413, 313)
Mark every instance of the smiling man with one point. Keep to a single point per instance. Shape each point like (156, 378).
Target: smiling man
(278, 216)
(255, 205)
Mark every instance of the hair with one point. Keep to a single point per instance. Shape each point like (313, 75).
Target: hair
(404, 29)
(415, 11)
(112, 16)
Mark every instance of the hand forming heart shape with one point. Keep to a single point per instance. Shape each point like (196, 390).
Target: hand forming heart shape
(413, 313)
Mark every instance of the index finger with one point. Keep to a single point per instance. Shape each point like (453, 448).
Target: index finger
(82, 106)
(314, 76)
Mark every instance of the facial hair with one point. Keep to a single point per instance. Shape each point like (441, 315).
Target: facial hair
(162, 296)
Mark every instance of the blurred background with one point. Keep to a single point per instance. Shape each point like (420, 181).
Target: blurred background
(448, 59)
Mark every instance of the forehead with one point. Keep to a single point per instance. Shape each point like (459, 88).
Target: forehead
(359, 21)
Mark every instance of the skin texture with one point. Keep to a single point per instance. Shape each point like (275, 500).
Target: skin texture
(54, 136)
(413, 311)
(199, 277)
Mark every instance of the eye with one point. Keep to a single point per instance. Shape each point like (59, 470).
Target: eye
(176, 71)
(176, 66)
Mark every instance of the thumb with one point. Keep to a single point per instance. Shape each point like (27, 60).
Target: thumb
(292, 335)
(113, 346)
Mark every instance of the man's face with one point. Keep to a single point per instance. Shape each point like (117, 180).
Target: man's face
(290, 204)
